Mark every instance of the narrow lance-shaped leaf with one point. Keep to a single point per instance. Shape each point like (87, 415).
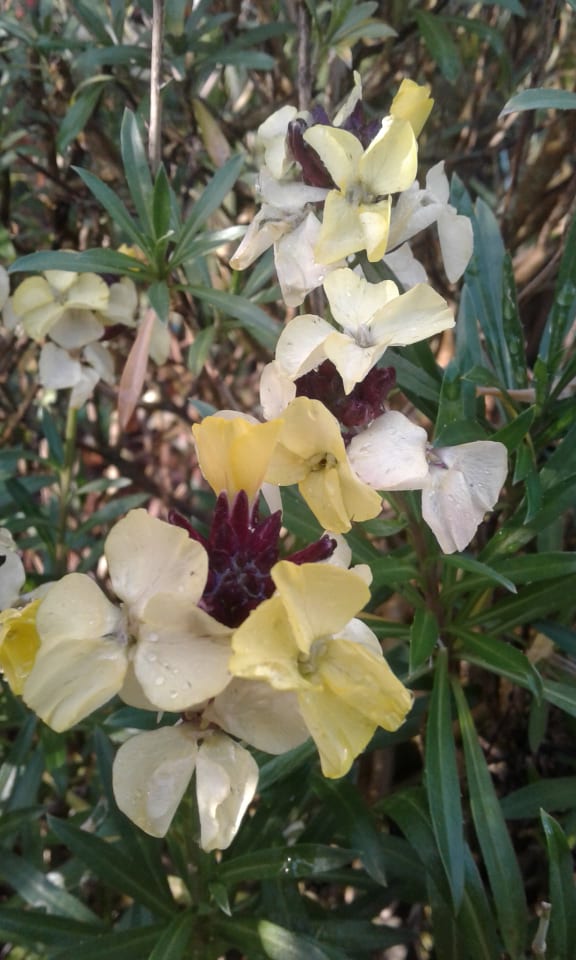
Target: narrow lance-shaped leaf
(562, 893)
(442, 782)
(136, 169)
(498, 853)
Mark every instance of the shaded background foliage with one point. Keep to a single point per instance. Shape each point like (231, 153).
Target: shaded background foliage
(76, 875)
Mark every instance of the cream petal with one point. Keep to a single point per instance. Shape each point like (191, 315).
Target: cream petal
(12, 575)
(437, 183)
(60, 280)
(449, 510)
(72, 678)
(75, 609)
(351, 360)
(160, 341)
(151, 774)
(300, 345)
(272, 134)
(416, 315)
(296, 266)
(484, 465)
(391, 453)
(57, 370)
(288, 197)
(456, 242)
(83, 390)
(132, 693)
(342, 232)
(405, 267)
(266, 228)
(276, 390)
(182, 654)
(100, 358)
(375, 223)
(147, 556)
(253, 711)
(122, 302)
(226, 781)
(75, 329)
(353, 300)
(87, 291)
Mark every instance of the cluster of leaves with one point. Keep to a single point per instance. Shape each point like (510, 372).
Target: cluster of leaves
(322, 871)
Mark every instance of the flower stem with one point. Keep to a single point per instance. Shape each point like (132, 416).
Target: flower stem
(154, 136)
(65, 484)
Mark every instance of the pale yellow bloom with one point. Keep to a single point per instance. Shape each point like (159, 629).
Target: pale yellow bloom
(310, 452)
(41, 302)
(412, 103)
(234, 453)
(305, 639)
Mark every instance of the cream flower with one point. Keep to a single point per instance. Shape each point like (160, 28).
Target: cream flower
(58, 370)
(177, 652)
(310, 452)
(459, 484)
(303, 639)
(357, 214)
(418, 208)
(12, 575)
(152, 772)
(373, 317)
(40, 302)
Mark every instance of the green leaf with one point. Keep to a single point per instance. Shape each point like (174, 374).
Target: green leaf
(482, 570)
(115, 208)
(555, 794)
(159, 296)
(353, 815)
(251, 318)
(537, 600)
(282, 766)
(31, 928)
(562, 893)
(553, 344)
(561, 635)
(498, 853)
(540, 98)
(97, 261)
(440, 44)
(497, 657)
(282, 944)
(562, 695)
(175, 941)
(301, 860)
(442, 782)
(161, 204)
(535, 567)
(210, 199)
(120, 945)
(513, 331)
(137, 170)
(37, 890)
(423, 637)
(515, 431)
(110, 864)
(80, 112)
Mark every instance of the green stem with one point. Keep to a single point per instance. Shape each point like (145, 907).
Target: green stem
(66, 474)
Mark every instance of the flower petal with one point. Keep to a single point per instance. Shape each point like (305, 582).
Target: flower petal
(75, 609)
(151, 774)
(390, 163)
(147, 556)
(234, 453)
(253, 711)
(300, 345)
(339, 151)
(342, 232)
(69, 680)
(412, 103)
(182, 654)
(19, 643)
(353, 301)
(226, 781)
(391, 453)
(339, 731)
(264, 648)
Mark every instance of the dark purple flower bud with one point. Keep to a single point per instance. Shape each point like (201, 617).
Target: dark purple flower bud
(354, 410)
(314, 173)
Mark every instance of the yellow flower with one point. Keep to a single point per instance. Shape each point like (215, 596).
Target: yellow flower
(310, 452)
(234, 453)
(412, 103)
(19, 644)
(305, 639)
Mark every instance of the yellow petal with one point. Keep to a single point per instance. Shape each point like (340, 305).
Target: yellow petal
(412, 103)
(341, 233)
(319, 599)
(322, 492)
(19, 643)
(340, 732)
(339, 151)
(375, 223)
(234, 453)
(365, 682)
(264, 648)
(390, 163)
(75, 609)
(151, 774)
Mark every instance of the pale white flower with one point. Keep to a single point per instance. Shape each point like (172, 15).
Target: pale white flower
(459, 484)
(372, 317)
(40, 302)
(418, 208)
(12, 575)
(58, 370)
(178, 653)
(152, 772)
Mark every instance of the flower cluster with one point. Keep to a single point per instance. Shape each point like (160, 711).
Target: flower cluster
(73, 315)
(328, 192)
(231, 642)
